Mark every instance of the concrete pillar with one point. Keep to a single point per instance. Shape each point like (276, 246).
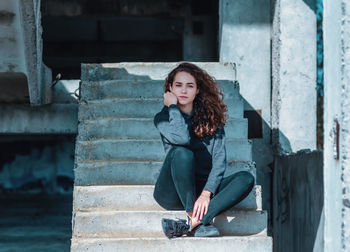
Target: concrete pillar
(38, 74)
(11, 38)
(293, 105)
(244, 38)
(21, 47)
(336, 125)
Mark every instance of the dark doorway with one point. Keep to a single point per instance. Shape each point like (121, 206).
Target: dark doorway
(105, 31)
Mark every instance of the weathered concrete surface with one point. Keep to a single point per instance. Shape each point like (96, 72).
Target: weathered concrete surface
(11, 38)
(293, 120)
(245, 38)
(127, 224)
(298, 201)
(238, 243)
(135, 172)
(336, 126)
(135, 128)
(146, 150)
(131, 107)
(262, 155)
(21, 46)
(140, 197)
(18, 117)
(38, 74)
(48, 119)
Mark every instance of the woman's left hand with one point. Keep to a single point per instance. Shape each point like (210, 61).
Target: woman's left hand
(201, 205)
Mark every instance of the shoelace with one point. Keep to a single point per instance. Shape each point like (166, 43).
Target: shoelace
(181, 227)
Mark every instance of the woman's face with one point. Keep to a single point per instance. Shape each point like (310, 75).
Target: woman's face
(184, 87)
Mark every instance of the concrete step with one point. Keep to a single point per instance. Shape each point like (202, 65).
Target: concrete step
(112, 224)
(135, 172)
(219, 244)
(97, 90)
(136, 128)
(49, 119)
(149, 71)
(152, 150)
(37, 244)
(132, 107)
(137, 198)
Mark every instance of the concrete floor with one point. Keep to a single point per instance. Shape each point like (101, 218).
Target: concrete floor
(35, 222)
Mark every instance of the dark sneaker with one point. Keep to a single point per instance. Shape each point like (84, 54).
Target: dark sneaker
(173, 228)
(205, 231)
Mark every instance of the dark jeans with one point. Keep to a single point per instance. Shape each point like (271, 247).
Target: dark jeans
(177, 188)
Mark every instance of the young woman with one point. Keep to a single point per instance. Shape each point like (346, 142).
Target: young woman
(191, 125)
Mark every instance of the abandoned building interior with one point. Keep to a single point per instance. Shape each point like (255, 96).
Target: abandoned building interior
(81, 81)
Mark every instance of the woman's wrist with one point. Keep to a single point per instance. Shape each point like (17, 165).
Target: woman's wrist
(206, 193)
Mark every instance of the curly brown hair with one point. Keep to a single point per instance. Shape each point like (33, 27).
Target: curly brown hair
(209, 108)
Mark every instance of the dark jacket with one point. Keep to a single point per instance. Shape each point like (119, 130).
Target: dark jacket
(209, 152)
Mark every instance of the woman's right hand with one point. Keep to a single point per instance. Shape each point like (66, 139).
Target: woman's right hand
(169, 98)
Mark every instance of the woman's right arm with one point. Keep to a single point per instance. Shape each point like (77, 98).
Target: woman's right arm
(172, 126)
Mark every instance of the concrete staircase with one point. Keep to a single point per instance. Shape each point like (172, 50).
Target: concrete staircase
(119, 155)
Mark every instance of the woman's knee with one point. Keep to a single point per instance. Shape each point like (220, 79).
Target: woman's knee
(183, 165)
(247, 177)
(183, 153)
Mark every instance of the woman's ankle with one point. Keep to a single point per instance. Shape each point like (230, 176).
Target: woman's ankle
(193, 223)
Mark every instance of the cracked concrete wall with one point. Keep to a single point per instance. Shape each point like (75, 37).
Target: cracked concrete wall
(337, 125)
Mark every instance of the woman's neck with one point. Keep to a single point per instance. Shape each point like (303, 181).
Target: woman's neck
(187, 109)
